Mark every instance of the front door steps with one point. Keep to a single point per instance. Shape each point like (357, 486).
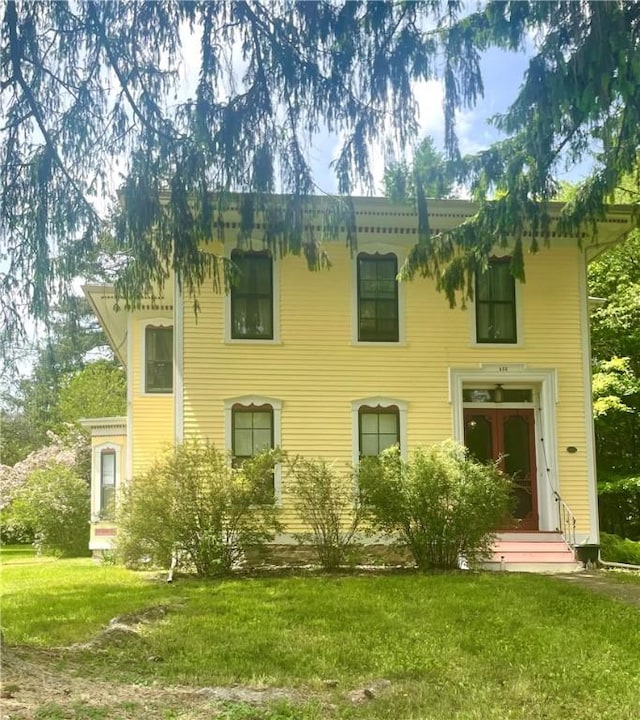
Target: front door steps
(543, 552)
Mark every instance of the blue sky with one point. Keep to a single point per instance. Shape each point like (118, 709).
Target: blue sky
(503, 74)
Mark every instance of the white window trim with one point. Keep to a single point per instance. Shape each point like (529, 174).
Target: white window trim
(96, 479)
(519, 317)
(276, 304)
(161, 322)
(544, 381)
(374, 402)
(372, 249)
(246, 401)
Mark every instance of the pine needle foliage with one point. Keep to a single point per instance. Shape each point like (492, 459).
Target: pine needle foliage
(89, 88)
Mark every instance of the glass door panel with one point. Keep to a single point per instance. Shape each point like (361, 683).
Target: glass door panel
(478, 437)
(517, 448)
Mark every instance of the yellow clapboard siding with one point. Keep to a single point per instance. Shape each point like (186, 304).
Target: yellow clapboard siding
(152, 416)
(316, 370)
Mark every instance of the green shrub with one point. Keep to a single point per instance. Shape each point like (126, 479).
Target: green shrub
(613, 548)
(55, 503)
(441, 504)
(619, 506)
(192, 503)
(325, 501)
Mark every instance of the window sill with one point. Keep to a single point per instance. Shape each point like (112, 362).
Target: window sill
(500, 346)
(155, 394)
(251, 341)
(382, 343)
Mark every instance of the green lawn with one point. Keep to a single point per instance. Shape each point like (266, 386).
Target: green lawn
(12, 553)
(453, 646)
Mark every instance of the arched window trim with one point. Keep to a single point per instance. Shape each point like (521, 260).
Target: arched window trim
(380, 249)
(156, 322)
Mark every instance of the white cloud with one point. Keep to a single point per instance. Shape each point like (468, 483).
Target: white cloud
(429, 95)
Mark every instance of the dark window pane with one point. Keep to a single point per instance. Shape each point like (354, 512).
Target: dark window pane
(158, 359)
(478, 437)
(377, 298)
(252, 296)
(496, 305)
(477, 395)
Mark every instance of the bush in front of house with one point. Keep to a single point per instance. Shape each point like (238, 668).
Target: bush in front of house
(71, 452)
(440, 504)
(54, 503)
(614, 548)
(194, 505)
(326, 502)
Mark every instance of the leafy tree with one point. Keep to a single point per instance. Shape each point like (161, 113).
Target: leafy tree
(69, 456)
(17, 437)
(98, 390)
(615, 339)
(54, 503)
(427, 175)
(32, 408)
(88, 85)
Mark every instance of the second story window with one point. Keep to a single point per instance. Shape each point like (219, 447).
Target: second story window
(378, 429)
(378, 298)
(252, 296)
(158, 359)
(496, 304)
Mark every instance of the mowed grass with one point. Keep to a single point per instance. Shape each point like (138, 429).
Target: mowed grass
(13, 553)
(453, 646)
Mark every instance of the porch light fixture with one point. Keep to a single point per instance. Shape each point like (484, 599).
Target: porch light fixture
(498, 394)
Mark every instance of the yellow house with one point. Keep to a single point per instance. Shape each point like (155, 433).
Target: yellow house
(346, 361)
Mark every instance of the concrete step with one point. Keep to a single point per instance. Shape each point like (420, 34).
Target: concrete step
(531, 536)
(532, 552)
(539, 567)
(546, 547)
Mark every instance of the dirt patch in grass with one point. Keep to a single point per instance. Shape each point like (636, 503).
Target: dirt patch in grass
(605, 582)
(32, 689)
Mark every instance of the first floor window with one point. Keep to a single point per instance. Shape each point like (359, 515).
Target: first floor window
(379, 429)
(158, 359)
(107, 483)
(252, 430)
(252, 433)
(496, 304)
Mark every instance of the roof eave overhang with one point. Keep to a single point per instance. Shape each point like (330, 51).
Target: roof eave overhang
(101, 298)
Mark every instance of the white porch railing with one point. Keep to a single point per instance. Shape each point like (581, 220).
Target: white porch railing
(566, 521)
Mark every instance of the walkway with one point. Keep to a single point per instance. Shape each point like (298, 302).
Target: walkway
(609, 583)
